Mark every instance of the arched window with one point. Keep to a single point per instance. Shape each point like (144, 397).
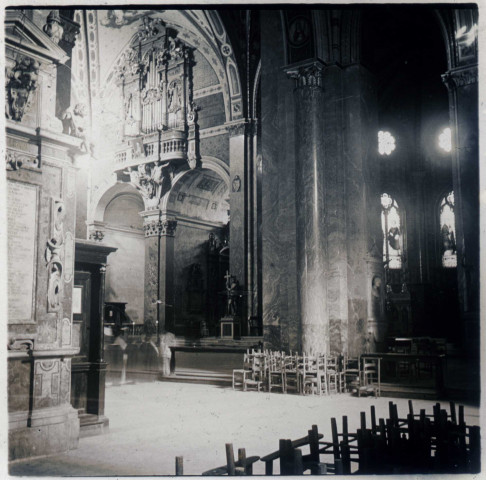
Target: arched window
(392, 232)
(448, 231)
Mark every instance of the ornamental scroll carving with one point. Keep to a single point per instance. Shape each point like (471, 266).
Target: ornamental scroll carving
(54, 256)
(21, 82)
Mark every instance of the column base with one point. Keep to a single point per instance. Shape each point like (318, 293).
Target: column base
(50, 431)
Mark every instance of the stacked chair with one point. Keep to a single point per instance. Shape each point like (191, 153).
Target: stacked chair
(436, 443)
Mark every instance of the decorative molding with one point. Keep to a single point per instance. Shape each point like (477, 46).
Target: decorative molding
(307, 74)
(22, 81)
(461, 76)
(236, 128)
(205, 92)
(213, 131)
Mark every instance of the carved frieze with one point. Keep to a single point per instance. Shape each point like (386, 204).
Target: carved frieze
(460, 77)
(307, 75)
(22, 81)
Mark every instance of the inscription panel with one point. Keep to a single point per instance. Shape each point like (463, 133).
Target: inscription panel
(21, 222)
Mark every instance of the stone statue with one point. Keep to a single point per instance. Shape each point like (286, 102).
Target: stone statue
(75, 123)
(232, 287)
(53, 28)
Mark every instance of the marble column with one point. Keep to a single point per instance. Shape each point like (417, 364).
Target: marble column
(159, 270)
(237, 200)
(462, 83)
(310, 241)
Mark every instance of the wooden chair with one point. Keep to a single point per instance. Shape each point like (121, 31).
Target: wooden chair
(310, 375)
(291, 370)
(242, 374)
(333, 376)
(351, 373)
(370, 379)
(275, 373)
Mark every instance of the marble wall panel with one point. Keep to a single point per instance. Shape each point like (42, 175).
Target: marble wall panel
(190, 247)
(217, 146)
(151, 279)
(237, 202)
(212, 111)
(18, 385)
(125, 272)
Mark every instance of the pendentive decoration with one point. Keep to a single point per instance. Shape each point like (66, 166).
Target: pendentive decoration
(21, 82)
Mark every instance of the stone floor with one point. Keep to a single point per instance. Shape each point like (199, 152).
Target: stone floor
(152, 423)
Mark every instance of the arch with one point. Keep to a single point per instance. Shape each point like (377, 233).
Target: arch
(207, 162)
(109, 194)
(212, 56)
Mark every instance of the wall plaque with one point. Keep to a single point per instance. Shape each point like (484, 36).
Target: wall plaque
(22, 233)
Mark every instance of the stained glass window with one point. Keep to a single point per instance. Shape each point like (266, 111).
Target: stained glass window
(445, 140)
(386, 143)
(448, 231)
(392, 232)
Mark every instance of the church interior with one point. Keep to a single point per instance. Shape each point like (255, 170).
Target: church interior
(216, 197)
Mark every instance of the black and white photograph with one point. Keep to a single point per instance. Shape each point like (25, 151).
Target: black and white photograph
(242, 239)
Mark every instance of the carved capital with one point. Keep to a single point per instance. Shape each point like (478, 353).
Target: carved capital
(155, 228)
(236, 128)
(151, 228)
(168, 228)
(71, 30)
(461, 76)
(307, 75)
